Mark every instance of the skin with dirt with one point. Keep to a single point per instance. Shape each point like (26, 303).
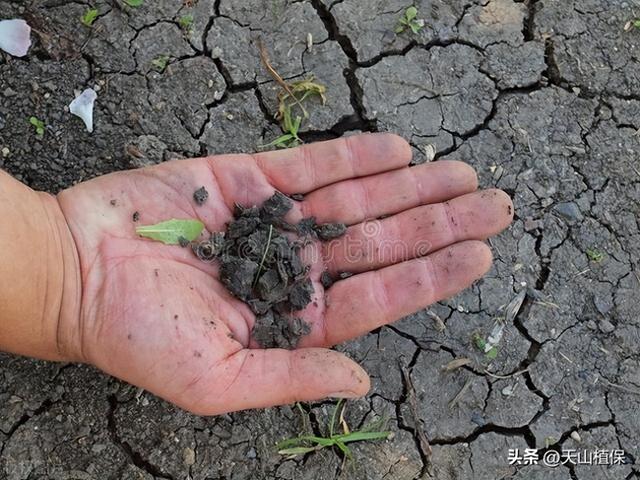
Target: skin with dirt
(261, 266)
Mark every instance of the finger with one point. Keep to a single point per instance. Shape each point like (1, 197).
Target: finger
(265, 378)
(353, 201)
(367, 301)
(306, 168)
(419, 231)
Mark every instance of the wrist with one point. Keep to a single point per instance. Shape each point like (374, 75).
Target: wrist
(40, 286)
(65, 332)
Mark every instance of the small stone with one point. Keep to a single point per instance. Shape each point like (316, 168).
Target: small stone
(98, 447)
(576, 436)
(569, 211)
(478, 419)
(6, 152)
(189, 456)
(251, 453)
(530, 224)
(606, 326)
(603, 306)
(509, 390)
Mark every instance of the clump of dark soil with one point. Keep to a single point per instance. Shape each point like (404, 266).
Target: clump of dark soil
(200, 196)
(261, 266)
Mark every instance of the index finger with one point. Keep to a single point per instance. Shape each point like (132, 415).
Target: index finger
(309, 167)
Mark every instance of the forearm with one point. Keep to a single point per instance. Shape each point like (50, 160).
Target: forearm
(40, 287)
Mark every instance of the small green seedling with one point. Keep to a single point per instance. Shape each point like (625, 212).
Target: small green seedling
(172, 232)
(160, 63)
(186, 23)
(38, 125)
(290, 127)
(632, 24)
(595, 255)
(409, 20)
(291, 95)
(481, 344)
(287, 100)
(89, 17)
(301, 91)
(310, 443)
(134, 3)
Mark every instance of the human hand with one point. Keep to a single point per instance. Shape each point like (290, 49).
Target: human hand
(157, 317)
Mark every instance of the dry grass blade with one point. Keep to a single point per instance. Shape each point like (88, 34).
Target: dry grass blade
(514, 306)
(264, 58)
(460, 394)
(456, 364)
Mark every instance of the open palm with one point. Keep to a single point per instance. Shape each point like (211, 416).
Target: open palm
(157, 317)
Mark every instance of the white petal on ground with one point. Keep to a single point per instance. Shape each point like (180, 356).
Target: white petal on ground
(82, 107)
(15, 37)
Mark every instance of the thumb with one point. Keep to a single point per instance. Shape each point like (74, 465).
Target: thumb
(265, 378)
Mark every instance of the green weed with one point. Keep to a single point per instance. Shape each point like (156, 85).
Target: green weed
(160, 63)
(481, 344)
(290, 96)
(409, 20)
(311, 443)
(89, 17)
(38, 125)
(595, 255)
(186, 23)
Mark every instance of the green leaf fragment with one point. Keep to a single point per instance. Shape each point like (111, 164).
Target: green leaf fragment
(411, 13)
(479, 342)
(134, 3)
(89, 17)
(186, 22)
(38, 124)
(172, 232)
(297, 450)
(160, 62)
(344, 449)
(492, 354)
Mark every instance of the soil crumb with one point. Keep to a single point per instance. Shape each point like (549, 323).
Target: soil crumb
(200, 196)
(261, 266)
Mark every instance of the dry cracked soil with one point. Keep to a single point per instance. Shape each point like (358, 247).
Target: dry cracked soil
(542, 97)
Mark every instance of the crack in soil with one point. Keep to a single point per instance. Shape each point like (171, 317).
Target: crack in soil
(135, 457)
(44, 407)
